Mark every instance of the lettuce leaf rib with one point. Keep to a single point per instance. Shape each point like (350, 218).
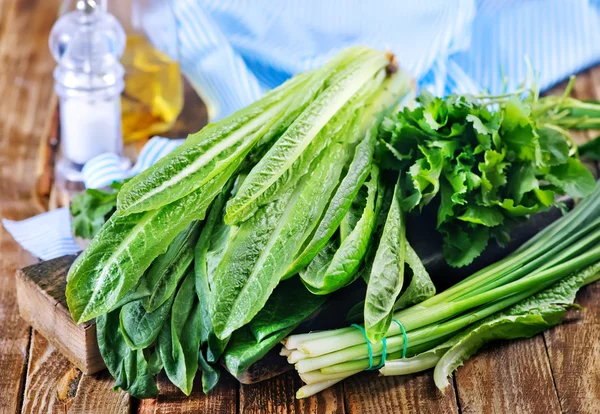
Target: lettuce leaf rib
(125, 247)
(263, 246)
(290, 146)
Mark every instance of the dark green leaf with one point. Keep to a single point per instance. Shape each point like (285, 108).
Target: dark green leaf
(179, 340)
(140, 327)
(244, 350)
(591, 149)
(127, 366)
(167, 270)
(210, 374)
(289, 305)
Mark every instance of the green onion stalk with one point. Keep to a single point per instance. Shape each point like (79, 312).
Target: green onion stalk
(565, 248)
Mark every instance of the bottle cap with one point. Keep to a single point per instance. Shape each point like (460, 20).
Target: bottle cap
(87, 43)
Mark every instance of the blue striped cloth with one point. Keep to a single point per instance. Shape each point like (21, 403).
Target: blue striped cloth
(232, 51)
(48, 235)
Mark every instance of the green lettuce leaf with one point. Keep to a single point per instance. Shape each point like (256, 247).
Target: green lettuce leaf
(289, 148)
(211, 151)
(166, 271)
(265, 245)
(125, 247)
(387, 272)
(335, 267)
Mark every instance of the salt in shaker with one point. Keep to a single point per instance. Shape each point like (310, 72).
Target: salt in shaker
(87, 44)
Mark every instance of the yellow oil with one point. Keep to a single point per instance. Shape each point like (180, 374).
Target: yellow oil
(153, 95)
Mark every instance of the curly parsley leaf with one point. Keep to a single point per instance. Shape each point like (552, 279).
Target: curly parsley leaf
(488, 162)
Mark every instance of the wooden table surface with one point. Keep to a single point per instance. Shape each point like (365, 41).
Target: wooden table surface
(558, 371)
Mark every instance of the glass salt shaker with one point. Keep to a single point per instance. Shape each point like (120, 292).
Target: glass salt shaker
(87, 44)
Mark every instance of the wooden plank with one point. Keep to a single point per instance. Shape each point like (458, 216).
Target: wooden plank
(574, 351)
(573, 347)
(42, 304)
(508, 377)
(366, 393)
(277, 395)
(26, 89)
(223, 399)
(55, 385)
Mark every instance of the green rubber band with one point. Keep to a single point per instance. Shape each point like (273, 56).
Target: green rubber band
(405, 345)
(383, 351)
(360, 328)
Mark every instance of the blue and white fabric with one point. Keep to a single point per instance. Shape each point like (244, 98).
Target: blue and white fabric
(232, 51)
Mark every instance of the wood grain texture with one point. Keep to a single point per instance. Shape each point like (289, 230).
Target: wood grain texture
(574, 351)
(278, 396)
(42, 304)
(508, 377)
(367, 393)
(53, 385)
(26, 90)
(223, 399)
(574, 346)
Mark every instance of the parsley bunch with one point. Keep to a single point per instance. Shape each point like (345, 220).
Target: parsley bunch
(488, 161)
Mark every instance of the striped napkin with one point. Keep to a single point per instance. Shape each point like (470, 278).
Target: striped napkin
(232, 51)
(48, 235)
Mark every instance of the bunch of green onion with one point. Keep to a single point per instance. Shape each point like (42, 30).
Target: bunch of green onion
(540, 274)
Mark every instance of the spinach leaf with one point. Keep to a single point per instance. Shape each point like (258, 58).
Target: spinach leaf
(179, 340)
(326, 277)
(522, 320)
(127, 366)
(119, 255)
(166, 271)
(155, 364)
(387, 272)
(210, 374)
(140, 327)
(244, 350)
(265, 245)
(289, 305)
